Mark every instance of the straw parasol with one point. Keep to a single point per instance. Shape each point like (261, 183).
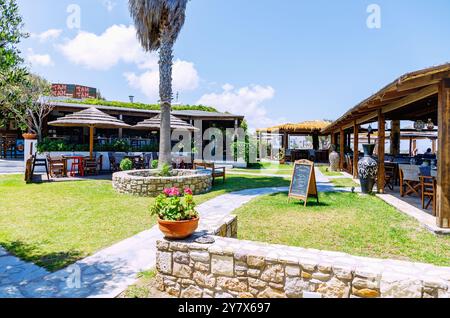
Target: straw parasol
(92, 118)
(155, 124)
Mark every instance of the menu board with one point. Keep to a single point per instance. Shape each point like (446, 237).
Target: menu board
(303, 184)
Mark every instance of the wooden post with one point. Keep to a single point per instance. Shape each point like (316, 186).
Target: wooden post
(355, 149)
(443, 182)
(333, 139)
(395, 138)
(342, 149)
(91, 141)
(381, 151)
(410, 146)
(285, 141)
(433, 146)
(316, 142)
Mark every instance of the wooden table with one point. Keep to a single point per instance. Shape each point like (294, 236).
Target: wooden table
(77, 162)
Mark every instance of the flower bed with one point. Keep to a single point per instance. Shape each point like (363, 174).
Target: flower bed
(149, 183)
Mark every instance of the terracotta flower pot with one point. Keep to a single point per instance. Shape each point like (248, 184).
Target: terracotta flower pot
(29, 136)
(178, 230)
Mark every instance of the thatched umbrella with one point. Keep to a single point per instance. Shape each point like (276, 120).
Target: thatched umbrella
(158, 24)
(155, 124)
(92, 118)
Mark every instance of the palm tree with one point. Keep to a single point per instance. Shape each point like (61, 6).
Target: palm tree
(158, 23)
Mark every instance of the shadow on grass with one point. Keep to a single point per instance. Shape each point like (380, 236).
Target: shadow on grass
(33, 253)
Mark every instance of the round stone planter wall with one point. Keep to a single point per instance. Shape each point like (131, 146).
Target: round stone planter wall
(148, 183)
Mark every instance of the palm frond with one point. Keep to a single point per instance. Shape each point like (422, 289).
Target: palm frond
(151, 17)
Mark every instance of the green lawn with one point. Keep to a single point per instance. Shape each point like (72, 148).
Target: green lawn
(324, 170)
(345, 222)
(268, 168)
(56, 224)
(344, 183)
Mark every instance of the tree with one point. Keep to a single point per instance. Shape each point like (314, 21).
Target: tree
(158, 24)
(13, 75)
(33, 105)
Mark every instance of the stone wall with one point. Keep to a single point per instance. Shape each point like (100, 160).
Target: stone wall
(146, 183)
(229, 268)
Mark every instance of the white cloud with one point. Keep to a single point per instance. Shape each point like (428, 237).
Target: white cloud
(101, 52)
(185, 78)
(39, 59)
(51, 34)
(245, 101)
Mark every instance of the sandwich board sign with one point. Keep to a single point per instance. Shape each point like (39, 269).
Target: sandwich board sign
(303, 183)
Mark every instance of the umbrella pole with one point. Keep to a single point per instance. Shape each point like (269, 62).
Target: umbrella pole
(91, 141)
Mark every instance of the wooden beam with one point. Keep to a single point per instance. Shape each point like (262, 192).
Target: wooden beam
(355, 150)
(395, 138)
(342, 149)
(423, 93)
(91, 142)
(422, 81)
(381, 151)
(443, 182)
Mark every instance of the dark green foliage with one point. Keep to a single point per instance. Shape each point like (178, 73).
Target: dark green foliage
(98, 102)
(13, 75)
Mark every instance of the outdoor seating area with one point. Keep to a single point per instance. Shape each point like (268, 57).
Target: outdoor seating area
(419, 97)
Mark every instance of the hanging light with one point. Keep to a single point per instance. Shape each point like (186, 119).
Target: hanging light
(430, 124)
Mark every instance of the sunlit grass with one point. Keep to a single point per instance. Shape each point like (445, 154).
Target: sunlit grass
(56, 224)
(345, 222)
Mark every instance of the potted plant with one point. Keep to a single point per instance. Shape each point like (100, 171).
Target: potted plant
(29, 136)
(177, 217)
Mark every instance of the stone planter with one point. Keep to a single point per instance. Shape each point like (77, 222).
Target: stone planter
(367, 169)
(148, 182)
(178, 230)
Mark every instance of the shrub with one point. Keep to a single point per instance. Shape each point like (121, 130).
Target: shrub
(155, 164)
(99, 102)
(166, 171)
(126, 165)
(172, 205)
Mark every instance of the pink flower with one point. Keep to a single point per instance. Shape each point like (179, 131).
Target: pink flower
(175, 192)
(168, 192)
(188, 191)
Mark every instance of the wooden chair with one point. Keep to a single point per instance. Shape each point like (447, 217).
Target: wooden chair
(139, 163)
(57, 166)
(409, 180)
(389, 176)
(215, 172)
(10, 145)
(100, 163)
(113, 165)
(428, 186)
(90, 166)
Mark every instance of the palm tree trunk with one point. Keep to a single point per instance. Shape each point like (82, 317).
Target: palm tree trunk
(165, 92)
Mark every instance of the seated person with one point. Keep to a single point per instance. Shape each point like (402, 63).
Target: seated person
(429, 152)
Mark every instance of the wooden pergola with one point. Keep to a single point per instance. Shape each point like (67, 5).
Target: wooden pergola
(311, 128)
(420, 95)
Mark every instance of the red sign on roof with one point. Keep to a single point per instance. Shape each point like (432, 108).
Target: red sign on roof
(73, 91)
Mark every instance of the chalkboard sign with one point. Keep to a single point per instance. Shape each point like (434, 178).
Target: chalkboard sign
(303, 184)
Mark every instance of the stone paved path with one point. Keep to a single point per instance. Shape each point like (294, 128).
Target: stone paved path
(110, 271)
(11, 166)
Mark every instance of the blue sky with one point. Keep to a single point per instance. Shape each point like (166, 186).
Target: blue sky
(273, 61)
